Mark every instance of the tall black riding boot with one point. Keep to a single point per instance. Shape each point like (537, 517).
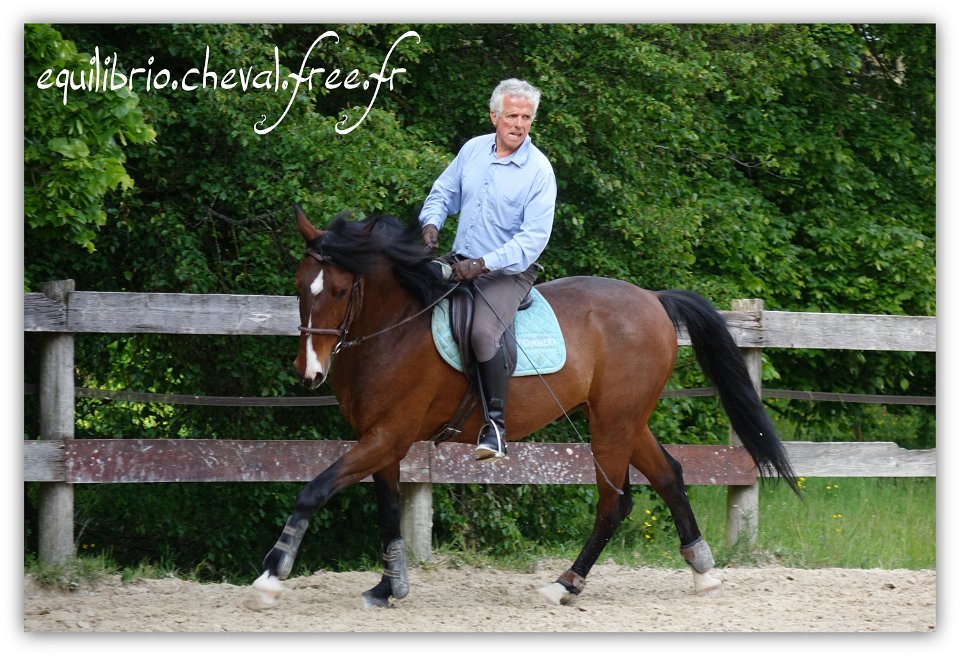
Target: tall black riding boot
(494, 379)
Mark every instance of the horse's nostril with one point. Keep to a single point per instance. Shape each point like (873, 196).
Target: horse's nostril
(311, 383)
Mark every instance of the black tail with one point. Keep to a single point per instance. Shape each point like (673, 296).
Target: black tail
(723, 364)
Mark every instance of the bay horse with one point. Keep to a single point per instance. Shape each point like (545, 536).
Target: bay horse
(365, 288)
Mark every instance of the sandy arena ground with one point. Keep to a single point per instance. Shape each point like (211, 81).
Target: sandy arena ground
(467, 599)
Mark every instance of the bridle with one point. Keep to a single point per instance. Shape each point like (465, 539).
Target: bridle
(353, 309)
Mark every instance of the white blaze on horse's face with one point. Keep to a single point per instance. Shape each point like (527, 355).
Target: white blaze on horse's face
(314, 369)
(325, 302)
(311, 363)
(316, 287)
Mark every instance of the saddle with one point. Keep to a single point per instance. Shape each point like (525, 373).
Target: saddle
(452, 324)
(539, 344)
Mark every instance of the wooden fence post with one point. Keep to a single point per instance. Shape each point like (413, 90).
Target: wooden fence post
(743, 502)
(416, 519)
(56, 390)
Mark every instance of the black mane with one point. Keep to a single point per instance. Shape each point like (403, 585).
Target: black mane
(363, 246)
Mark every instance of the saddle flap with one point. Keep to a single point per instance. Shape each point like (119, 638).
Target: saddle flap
(461, 322)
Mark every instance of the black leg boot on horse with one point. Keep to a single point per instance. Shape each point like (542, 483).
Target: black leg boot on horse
(494, 378)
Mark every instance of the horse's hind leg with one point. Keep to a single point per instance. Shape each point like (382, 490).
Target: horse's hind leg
(614, 506)
(393, 555)
(666, 477)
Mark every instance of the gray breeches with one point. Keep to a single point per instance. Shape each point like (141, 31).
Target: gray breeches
(498, 297)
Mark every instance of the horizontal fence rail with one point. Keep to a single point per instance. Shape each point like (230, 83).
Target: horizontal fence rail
(58, 461)
(115, 460)
(329, 400)
(226, 314)
(132, 460)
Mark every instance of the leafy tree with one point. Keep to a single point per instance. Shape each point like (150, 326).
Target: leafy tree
(73, 142)
(211, 212)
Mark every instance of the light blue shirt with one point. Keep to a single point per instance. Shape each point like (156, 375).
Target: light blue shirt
(506, 205)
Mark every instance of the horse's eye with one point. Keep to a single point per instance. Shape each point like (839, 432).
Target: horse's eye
(341, 294)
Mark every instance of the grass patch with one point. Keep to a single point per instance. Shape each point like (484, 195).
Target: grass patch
(73, 574)
(852, 523)
(844, 522)
(841, 523)
(87, 571)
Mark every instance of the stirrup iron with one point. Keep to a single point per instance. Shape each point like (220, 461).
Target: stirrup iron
(490, 449)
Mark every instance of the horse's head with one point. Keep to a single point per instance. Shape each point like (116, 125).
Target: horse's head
(375, 256)
(326, 294)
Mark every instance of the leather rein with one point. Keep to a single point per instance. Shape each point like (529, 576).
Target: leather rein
(353, 309)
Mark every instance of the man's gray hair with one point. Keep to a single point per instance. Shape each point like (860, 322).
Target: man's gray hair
(514, 87)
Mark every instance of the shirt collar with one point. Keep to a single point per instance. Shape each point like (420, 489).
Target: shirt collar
(518, 157)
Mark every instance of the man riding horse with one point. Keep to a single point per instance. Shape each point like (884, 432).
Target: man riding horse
(505, 191)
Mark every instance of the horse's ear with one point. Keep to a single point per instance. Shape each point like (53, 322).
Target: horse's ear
(304, 226)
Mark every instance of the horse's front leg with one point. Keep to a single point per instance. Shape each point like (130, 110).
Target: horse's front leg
(393, 554)
(365, 458)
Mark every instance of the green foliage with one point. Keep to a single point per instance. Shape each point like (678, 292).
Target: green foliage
(507, 519)
(793, 163)
(73, 153)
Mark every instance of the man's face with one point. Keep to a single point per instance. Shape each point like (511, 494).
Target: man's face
(513, 124)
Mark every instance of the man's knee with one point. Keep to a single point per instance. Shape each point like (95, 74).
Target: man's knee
(486, 342)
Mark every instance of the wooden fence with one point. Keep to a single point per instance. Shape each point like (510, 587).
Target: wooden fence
(59, 461)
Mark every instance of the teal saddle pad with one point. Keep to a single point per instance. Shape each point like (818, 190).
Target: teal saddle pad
(540, 345)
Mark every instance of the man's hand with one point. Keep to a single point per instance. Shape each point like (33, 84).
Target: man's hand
(430, 235)
(468, 270)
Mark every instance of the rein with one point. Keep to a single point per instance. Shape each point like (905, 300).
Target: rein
(353, 309)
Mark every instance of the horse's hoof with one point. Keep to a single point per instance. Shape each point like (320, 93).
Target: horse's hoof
(557, 594)
(372, 601)
(265, 593)
(705, 584)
